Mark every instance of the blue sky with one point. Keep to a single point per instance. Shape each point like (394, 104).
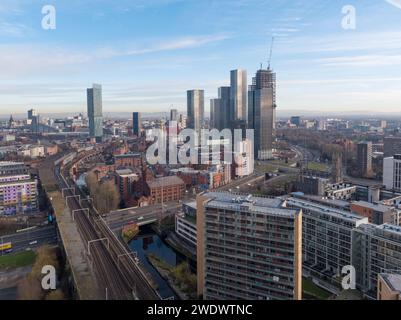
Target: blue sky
(147, 53)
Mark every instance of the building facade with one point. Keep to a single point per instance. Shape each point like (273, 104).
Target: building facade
(376, 250)
(95, 112)
(238, 94)
(165, 189)
(392, 173)
(389, 286)
(392, 146)
(195, 109)
(364, 158)
(262, 112)
(327, 236)
(136, 123)
(18, 192)
(248, 248)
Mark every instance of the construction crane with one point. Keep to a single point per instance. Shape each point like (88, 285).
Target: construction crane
(270, 54)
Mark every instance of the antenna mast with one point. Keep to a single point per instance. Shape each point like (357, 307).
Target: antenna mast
(271, 53)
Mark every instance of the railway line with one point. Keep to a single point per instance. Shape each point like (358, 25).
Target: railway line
(115, 266)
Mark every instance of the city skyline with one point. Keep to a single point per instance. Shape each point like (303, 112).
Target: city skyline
(132, 47)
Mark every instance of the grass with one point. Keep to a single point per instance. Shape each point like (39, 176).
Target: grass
(310, 289)
(17, 260)
(266, 168)
(316, 166)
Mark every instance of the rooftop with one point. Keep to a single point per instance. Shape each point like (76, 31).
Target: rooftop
(325, 209)
(392, 280)
(236, 202)
(125, 172)
(128, 155)
(11, 163)
(376, 207)
(165, 182)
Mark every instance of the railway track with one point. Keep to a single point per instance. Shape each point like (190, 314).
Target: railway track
(115, 266)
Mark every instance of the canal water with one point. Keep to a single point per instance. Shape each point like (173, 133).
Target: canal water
(147, 241)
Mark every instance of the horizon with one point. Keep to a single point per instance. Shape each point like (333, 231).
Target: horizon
(147, 54)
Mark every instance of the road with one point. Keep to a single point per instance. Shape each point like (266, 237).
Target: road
(117, 219)
(32, 239)
(233, 185)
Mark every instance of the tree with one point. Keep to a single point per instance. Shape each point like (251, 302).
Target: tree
(106, 195)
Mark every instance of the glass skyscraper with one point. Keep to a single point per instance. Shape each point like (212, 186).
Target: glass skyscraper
(238, 94)
(195, 109)
(95, 113)
(136, 123)
(262, 112)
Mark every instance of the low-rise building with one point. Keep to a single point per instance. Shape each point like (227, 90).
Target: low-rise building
(376, 213)
(389, 286)
(185, 228)
(165, 189)
(128, 160)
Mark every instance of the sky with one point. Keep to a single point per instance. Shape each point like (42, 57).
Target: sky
(147, 53)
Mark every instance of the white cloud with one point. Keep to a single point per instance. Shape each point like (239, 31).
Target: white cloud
(12, 29)
(22, 59)
(362, 61)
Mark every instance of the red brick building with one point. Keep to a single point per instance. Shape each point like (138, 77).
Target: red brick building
(128, 160)
(165, 189)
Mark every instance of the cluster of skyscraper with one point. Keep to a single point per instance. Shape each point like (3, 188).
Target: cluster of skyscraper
(240, 107)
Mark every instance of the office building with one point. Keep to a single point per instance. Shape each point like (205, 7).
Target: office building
(244, 158)
(195, 109)
(327, 236)
(95, 113)
(216, 116)
(375, 250)
(296, 121)
(389, 286)
(136, 123)
(173, 115)
(182, 122)
(33, 120)
(392, 146)
(248, 248)
(392, 173)
(262, 112)
(238, 94)
(227, 113)
(364, 158)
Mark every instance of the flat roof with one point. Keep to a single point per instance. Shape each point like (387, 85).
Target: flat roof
(376, 207)
(392, 280)
(236, 202)
(325, 209)
(165, 182)
(128, 155)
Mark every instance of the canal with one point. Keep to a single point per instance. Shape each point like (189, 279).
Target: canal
(147, 241)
